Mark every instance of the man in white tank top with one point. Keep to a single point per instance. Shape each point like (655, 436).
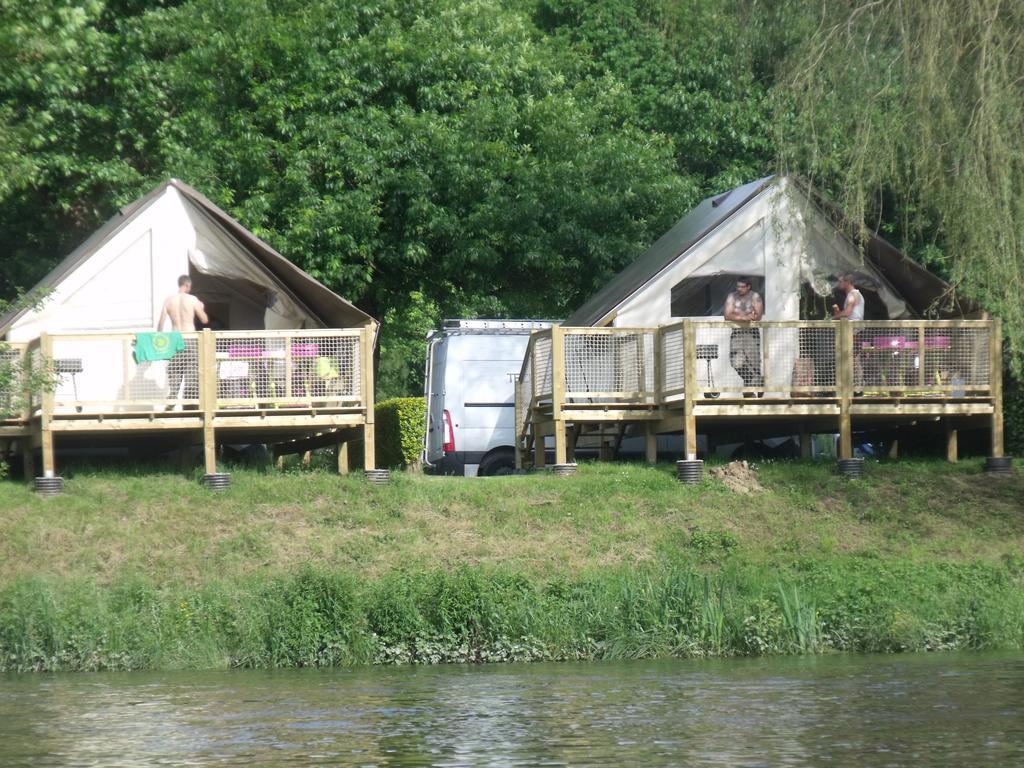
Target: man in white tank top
(853, 306)
(853, 309)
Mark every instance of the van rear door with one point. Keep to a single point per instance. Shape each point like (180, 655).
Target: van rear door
(437, 349)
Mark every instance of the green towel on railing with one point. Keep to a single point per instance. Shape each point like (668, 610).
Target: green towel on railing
(157, 346)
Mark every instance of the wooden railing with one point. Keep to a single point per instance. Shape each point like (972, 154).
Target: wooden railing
(107, 374)
(619, 372)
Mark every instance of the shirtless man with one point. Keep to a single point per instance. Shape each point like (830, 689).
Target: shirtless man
(182, 308)
(745, 304)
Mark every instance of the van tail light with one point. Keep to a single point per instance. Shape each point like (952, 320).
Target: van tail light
(449, 433)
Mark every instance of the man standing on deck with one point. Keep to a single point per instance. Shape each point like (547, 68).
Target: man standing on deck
(183, 309)
(853, 309)
(853, 305)
(744, 304)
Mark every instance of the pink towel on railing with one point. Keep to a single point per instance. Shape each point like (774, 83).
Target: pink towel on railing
(305, 350)
(240, 351)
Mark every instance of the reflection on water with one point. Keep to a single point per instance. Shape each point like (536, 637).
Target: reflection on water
(942, 710)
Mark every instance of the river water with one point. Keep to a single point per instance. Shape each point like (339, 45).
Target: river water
(914, 710)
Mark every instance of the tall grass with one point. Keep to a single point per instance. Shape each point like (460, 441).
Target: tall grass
(316, 617)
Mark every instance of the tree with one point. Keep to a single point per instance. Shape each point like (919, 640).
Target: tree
(912, 116)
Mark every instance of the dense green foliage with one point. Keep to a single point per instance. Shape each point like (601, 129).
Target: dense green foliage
(399, 425)
(912, 115)
(319, 618)
(433, 158)
(424, 159)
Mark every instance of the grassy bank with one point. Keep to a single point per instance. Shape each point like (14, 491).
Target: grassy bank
(148, 570)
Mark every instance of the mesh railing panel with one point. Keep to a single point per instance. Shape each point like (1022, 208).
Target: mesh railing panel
(524, 386)
(104, 373)
(712, 370)
(673, 364)
(799, 361)
(915, 359)
(542, 367)
(620, 363)
(275, 370)
(99, 374)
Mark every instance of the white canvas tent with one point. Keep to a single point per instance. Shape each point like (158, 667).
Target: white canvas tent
(118, 279)
(115, 284)
(791, 245)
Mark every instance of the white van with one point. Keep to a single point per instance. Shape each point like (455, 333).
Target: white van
(469, 385)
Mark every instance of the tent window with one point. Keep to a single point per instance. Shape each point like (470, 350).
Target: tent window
(705, 296)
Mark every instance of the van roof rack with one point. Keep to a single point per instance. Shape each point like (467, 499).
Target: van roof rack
(494, 325)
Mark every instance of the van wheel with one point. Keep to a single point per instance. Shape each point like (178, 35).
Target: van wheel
(499, 462)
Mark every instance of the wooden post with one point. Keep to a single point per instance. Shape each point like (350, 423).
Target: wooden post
(805, 442)
(844, 377)
(995, 347)
(208, 397)
(342, 448)
(538, 449)
(951, 442)
(366, 339)
(558, 390)
(922, 377)
(517, 420)
(658, 340)
(46, 413)
(689, 388)
(28, 457)
(651, 443)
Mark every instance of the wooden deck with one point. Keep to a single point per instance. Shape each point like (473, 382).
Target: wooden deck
(280, 387)
(800, 377)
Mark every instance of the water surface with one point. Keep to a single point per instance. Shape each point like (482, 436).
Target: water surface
(939, 710)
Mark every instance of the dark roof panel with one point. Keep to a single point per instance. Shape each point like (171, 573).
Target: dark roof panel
(707, 216)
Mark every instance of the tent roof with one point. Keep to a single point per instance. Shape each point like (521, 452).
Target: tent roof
(330, 308)
(919, 287)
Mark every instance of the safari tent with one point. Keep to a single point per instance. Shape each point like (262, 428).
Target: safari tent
(651, 353)
(792, 244)
(283, 357)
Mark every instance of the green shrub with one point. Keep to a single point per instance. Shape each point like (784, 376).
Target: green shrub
(400, 424)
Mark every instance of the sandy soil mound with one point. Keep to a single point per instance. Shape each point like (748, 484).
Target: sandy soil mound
(738, 477)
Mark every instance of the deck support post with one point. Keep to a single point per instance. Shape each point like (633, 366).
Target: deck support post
(46, 412)
(342, 449)
(997, 462)
(894, 446)
(689, 389)
(208, 405)
(844, 370)
(558, 391)
(538, 449)
(951, 442)
(995, 346)
(28, 457)
(651, 443)
(366, 339)
(518, 420)
(805, 443)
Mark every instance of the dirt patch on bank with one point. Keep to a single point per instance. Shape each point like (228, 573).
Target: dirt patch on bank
(738, 477)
